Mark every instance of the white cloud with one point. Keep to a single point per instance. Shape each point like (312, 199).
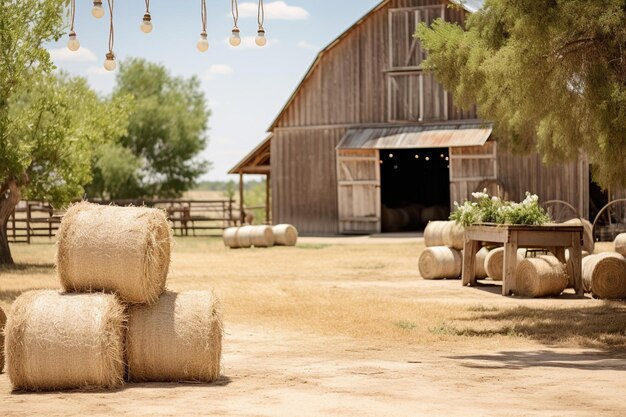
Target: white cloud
(306, 45)
(248, 42)
(278, 10)
(216, 70)
(65, 55)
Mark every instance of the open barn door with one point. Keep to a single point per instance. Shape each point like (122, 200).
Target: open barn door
(473, 168)
(358, 175)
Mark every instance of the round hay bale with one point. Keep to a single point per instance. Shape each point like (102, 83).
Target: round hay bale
(569, 267)
(179, 338)
(244, 236)
(481, 255)
(3, 320)
(65, 341)
(259, 236)
(453, 235)
(620, 244)
(433, 234)
(230, 238)
(125, 250)
(435, 213)
(588, 242)
(285, 235)
(604, 275)
(543, 276)
(440, 262)
(415, 215)
(394, 220)
(494, 262)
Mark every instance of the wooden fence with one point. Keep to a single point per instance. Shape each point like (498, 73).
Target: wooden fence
(187, 217)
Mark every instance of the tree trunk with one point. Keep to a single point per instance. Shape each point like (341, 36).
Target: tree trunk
(8, 200)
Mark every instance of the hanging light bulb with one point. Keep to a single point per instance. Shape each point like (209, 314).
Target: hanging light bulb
(235, 38)
(203, 43)
(109, 62)
(73, 44)
(261, 40)
(97, 11)
(146, 24)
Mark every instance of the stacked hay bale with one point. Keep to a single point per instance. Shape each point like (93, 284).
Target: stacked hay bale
(604, 275)
(588, 241)
(78, 339)
(494, 262)
(544, 276)
(442, 258)
(260, 236)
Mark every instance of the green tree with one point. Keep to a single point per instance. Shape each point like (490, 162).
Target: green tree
(550, 74)
(48, 124)
(166, 131)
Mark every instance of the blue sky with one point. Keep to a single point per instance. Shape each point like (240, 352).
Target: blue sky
(246, 87)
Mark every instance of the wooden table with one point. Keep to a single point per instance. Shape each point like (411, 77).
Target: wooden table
(554, 237)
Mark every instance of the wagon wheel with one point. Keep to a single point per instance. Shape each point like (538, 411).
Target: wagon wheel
(610, 221)
(494, 188)
(560, 211)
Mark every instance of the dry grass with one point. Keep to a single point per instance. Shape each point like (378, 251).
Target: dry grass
(370, 292)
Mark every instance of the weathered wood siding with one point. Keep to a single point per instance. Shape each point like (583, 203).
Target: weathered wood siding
(568, 182)
(304, 181)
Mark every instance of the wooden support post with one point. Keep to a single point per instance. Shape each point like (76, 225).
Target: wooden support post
(268, 218)
(510, 264)
(469, 262)
(242, 214)
(575, 254)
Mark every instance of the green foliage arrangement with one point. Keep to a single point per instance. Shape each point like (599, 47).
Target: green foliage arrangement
(491, 209)
(550, 75)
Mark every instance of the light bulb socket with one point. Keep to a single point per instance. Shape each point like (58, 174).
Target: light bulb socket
(203, 35)
(261, 32)
(110, 56)
(147, 17)
(97, 3)
(236, 30)
(72, 34)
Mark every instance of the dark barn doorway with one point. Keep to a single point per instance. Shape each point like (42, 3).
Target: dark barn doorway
(415, 188)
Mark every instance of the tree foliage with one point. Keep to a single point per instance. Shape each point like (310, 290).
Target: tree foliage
(166, 132)
(550, 74)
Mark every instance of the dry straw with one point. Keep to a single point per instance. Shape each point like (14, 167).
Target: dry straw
(481, 255)
(65, 341)
(285, 235)
(433, 233)
(230, 237)
(494, 262)
(588, 242)
(543, 276)
(3, 320)
(620, 244)
(121, 249)
(604, 275)
(179, 338)
(453, 235)
(440, 262)
(262, 236)
(244, 236)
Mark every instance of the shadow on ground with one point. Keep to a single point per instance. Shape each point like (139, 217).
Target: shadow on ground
(601, 327)
(27, 268)
(587, 360)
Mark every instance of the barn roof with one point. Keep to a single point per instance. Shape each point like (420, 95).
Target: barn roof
(257, 161)
(470, 5)
(415, 137)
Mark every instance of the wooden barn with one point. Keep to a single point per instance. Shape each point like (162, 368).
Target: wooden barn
(369, 142)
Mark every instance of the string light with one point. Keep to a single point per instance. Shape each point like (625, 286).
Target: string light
(203, 43)
(261, 40)
(390, 155)
(235, 38)
(73, 44)
(98, 10)
(146, 24)
(109, 62)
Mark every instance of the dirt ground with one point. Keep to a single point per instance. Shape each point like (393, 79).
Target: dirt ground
(351, 329)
